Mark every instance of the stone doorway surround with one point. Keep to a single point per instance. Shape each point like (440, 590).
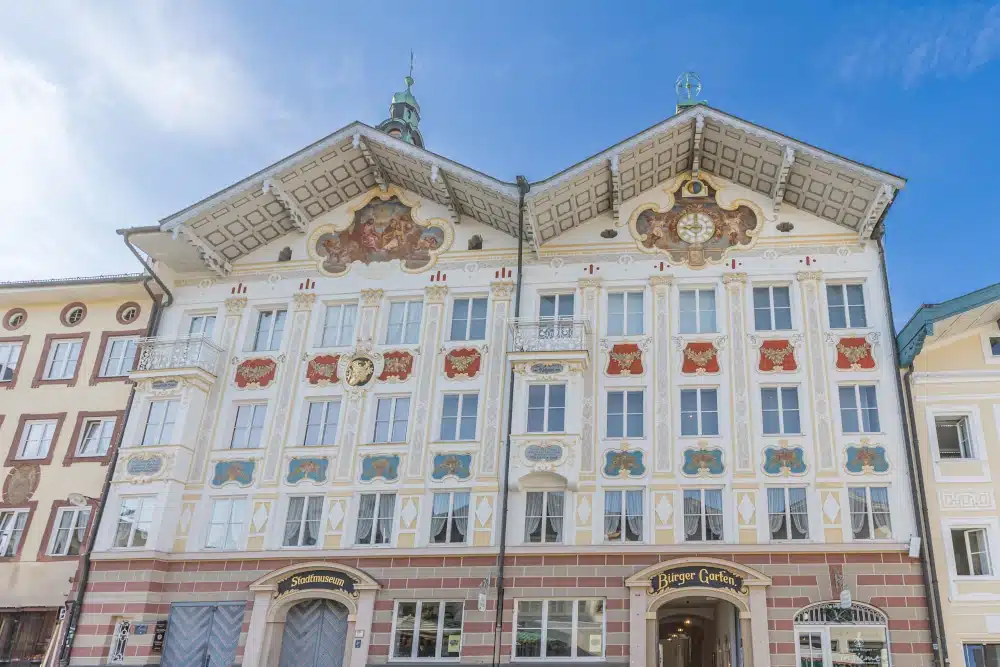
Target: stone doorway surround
(750, 603)
(267, 619)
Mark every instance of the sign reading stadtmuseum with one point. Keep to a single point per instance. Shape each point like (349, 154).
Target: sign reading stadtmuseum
(697, 576)
(311, 580)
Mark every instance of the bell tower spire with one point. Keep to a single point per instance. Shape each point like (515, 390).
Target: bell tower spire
(404, 114)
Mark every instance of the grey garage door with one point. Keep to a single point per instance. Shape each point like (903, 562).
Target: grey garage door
(202, 635)
(315, 635)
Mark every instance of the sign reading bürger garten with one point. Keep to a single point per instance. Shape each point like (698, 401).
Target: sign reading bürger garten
(697, 576)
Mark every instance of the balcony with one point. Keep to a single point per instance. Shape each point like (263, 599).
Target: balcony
(177, 356)
(549, 335)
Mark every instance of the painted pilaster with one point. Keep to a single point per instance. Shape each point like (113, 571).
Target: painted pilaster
(589, 287)
(430, 342)
(818, 390)
(496, 376)
(662, 452)
(742, 439)
(371, 299)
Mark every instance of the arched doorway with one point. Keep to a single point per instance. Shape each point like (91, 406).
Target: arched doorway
(315, 634)
(696, 631)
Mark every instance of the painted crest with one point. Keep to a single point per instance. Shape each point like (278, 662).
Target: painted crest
(21, 483)
(784, 461)
(311, 469)
(255, 373)
(462, 363)
(865, 458)
(777, 356)
(625, 359)
(359, 371)
(237, 472)
(703, 461)
(700, 358)
(624, 463)
(397, 367)
(452, 465)
(322, 370)
(375, 467)
(854, 354)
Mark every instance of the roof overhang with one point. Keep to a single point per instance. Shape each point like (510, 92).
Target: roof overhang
(940, 321)
(94, 288)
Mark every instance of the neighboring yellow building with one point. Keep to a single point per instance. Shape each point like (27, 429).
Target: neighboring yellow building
(66, 348)
(950, 355)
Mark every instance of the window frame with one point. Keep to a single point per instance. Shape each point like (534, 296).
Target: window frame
(325, 326)
(624, 515)
(848, 319)
(405, 323)
(967, 450)
(469, 306)
(699, 330)
(559, 296)
(190, 318)
(574, 630)
(15, 351)
(787, 513)
(703, 516)
(699, 412)
(7, 533)
(546, 407)
(85, 427)
(772, 309)
(25, 434)
(460, 417)
(823, 631)
(545, 516)
(451, 493)
(869, 512)
(56, 528)
(142, 505)
(275, 312)
(393, 399)
(127, 361)
(68, 372)
(159, 439)
(376, 518)
(625, 414)
(324, 424)
(254, 407)
(439, 640)
(626, 312)
(965, 529)
(859, 411)
(779, 392)
(228, 525)
(302, 521)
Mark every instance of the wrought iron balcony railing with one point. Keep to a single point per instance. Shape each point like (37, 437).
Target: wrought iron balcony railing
(549, 334)
(157, 354)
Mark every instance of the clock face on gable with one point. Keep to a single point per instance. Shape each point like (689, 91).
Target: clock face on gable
(696, 227)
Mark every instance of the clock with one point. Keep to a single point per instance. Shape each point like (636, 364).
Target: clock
(696, 227)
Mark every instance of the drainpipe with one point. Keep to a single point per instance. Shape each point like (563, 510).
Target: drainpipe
(917, 489)
(522, 187)
(84, 569)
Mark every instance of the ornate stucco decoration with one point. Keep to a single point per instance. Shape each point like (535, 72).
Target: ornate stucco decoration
(776, 355)
(625, 359)
(864, 458)
(21, 483)
(358, 370)
(624, 463)
(321, 369)
(256, 373)
(543, 455)
(703, 461)
(384, 467)
(397, 366)
(457, 466)
(783, 460)
(463, 363)
(854, 353)
(382, 227)
(307, 469)
(695, 228)
(238, 472)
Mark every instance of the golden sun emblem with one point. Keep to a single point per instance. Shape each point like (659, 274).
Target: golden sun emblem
(359, 371)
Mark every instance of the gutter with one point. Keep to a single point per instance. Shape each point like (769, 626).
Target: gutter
(522, 186)
(125, 234)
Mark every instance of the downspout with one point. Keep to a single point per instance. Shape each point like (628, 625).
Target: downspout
(917, 490)
(522, 187)
(84, 569)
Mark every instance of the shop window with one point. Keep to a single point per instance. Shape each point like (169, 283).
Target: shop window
(427, 629)
(559, 629)
(828, 635)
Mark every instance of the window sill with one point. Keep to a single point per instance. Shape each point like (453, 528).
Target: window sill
(975, 577)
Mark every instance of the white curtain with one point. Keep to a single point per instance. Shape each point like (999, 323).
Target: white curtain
(692, 514)
(386, 505)
(633, 511)
(554, 514)
(460, 514)
(776, 510)
(859, 510)
(880, 510)
(314, 511)
(366, 514)
(713, 512)
(439, 516)
(799, 509)
(533, 513)
(612, 515)
(292, 524)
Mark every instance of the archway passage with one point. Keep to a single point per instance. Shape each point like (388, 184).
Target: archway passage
(698, 631)
(315, 634)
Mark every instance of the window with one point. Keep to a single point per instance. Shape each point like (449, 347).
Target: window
(36, 439)
(780, 408)
(439, 634)
(623, 516)
(972, 553)
(546, 408)
(699, 412)
(391, 418)
(458, 417)
(468, 319)
(828, 636)
(202, 325)
(302, 523)
(159, 422)
(249, 426)
(270, 326)
(625, 416)
(10, 353)
(63, 357)
(338, 325)
(995, 351)
(551, 306)
(450, 517)
(119, 642)
(96, 437)
(703, 515)
(869, 512)
(11, 528)
(321, 423)
(982, 655)
(119, 356)
(543, 516)
(697, 311)
(559, 629)
(375, 518)
(846, 305)
(787, 513)
(225, 529)
(70, 527)
(772, 309)
(953, 437)
(858, 409)
(625, 314)
(135, 520)
(404, 323)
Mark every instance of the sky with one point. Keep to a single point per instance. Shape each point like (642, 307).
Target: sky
(117, 114)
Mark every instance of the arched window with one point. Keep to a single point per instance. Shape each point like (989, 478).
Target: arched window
(828, 635)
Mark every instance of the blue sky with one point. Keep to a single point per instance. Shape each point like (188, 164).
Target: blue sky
(118, 114)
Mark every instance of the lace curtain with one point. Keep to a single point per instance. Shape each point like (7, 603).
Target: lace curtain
(460, 514)
(554, 514)
(859, 510)
(800, 514)
(366, 515)
(533, 514)
(386, 505)
(439, 516)
(633, 511)
(776, 510)
(880, 511)
(713, 513)
(613, 515)
(692, 514)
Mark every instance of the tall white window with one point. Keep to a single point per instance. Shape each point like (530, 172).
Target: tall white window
(36, 439)
(995, 346)
(392, 416)
(953, 437)
(623, 516)
(543, 516)
(119, 642)
(468, 319)
(338, 324)
(249, 426)
(225, 529)
(69, 529)
(450, 517)
(846, 304)
(404, 323)
(699, 412)
(546, 408)
(427, 629)
(375, 515)
(559, 629)
(625, 414)
(787, 513)
(972, 552)
(869, 512)
(458, 417)
(625, 314)
(119, 356)
(302, 523)
(703, 515)
(160, 422)
(697, 311)
(555, 306)
(11, 529)
(10, 353)
(270, 327)
(780, 408)
(96, 437)
(858, 409)
(63, 358)
(201, 325)
(772, 309)
(321, 423)
(135, 521)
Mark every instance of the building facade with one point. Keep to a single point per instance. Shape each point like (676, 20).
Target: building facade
(66, 350)
(950, 357)
(658, 387)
